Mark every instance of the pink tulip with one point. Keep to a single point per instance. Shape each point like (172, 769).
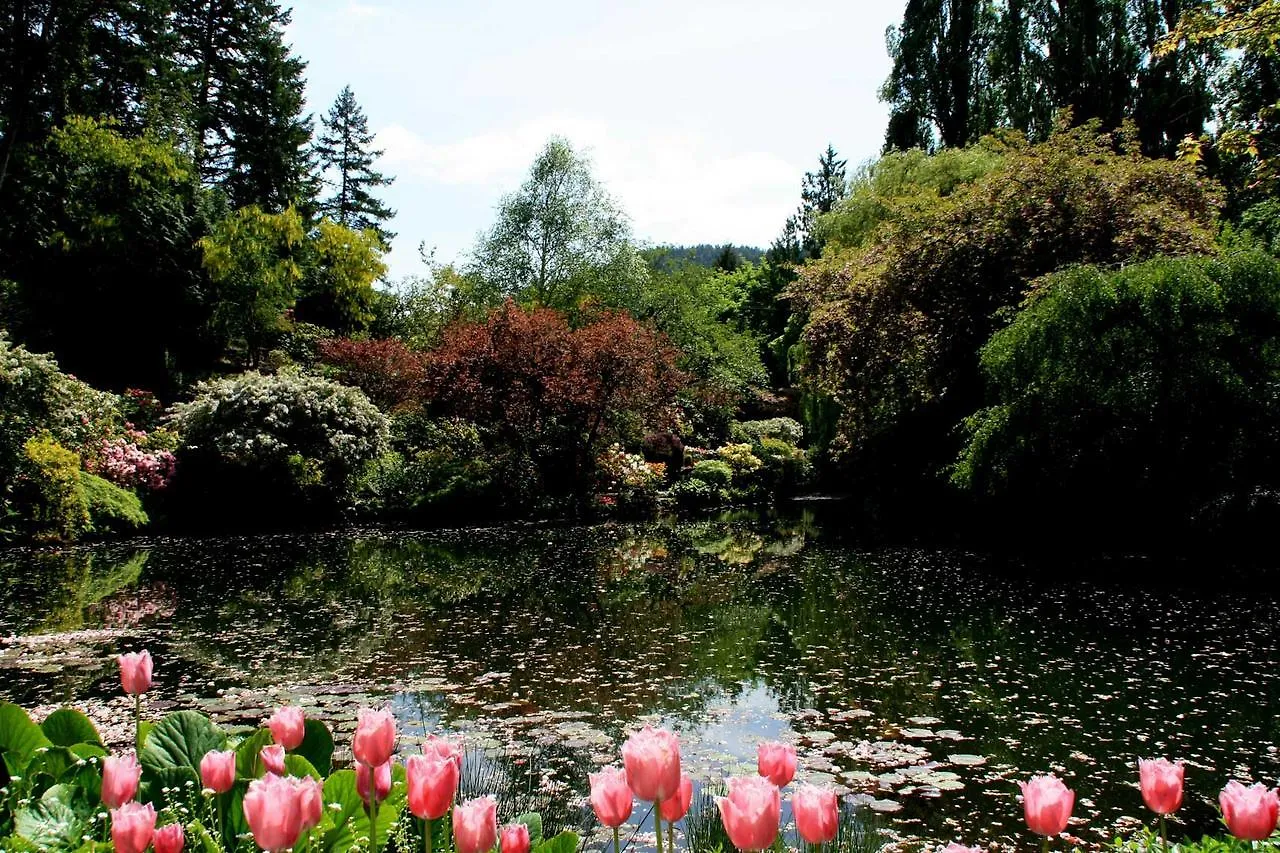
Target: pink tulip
(375, 738)
(776, 762)
(135, 672)
(610, 796)
(515, 838)
(381, 776)
(310, 796)
(273, 809)
(475, 825)
(120, 775)
(273, 759)
(652, 761)
(444, 748)
(1250, 812)
(1047, 803)
(218, 771)
(433, 781)
(750, 812)
(676, 806)
(132, 827)
(288, 726)
(1161, 785)
(817, 813)
(169, 839)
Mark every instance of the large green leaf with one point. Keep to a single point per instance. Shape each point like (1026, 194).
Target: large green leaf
(248, 761)
(68, 727)
(19, 738)
(53, 822)
(350, 821)
(317, 747)
(175, 745)
(533, 821)
(565, 842)
(299, 766)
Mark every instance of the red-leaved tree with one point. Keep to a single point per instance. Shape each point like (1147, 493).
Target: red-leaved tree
(390, 373)
(559, 394)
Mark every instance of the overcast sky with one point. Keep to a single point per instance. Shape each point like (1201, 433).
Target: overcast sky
(700, 117)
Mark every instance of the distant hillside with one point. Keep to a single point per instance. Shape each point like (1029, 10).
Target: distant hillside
(705, 254)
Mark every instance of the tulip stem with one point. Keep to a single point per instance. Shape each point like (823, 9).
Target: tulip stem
(426, 836)
(373, 812)
(671, 836)
(1044, 844)
(1164, 834)
(657, 821)
(137, 724)
(617, 842)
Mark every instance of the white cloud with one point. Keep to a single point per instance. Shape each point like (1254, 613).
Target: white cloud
(676, 186)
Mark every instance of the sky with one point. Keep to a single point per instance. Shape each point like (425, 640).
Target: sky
(700, 118)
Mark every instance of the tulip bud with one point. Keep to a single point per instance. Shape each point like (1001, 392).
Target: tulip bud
(652, 761)
(375, 737)
(288, 727)
(218, 771)
(750, 812)
(776, 762)
(1047, 804)
(1161, 783)
(273, 759)
(381, 778)
(169, 839)
(135, 672)
(273, 810)
(132, 827)
(120, 774)
(433, 782)
(817, 813)
(611, 796)
(515, 838)
(676, 806)
(475, 825)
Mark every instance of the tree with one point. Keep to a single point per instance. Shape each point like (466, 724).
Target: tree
(1139, 395)
(345, 151)
(560, 238)
(820, 192)
(896, 320)
(555, 394)
(339, 267)
(939, 87)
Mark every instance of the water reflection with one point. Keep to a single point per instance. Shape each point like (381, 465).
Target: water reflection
(922, 681)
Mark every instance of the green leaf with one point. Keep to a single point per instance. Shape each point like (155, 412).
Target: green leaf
(299, 766)
(52, 823)
(173, 750)
(248, 761)
(533, 820)
(19, 738)
(350, 821)
(68, 727)
(205, 842)
(565, 842)
(317, 747)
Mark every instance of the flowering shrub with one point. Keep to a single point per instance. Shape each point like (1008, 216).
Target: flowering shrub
(621, 470)
(303, 435)
(739, 458)
(752, 432)
(124, 462)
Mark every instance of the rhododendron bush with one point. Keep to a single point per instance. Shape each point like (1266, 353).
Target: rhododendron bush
(187, 784)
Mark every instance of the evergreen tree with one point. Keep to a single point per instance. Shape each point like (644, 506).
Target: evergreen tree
(820, 191)
(346, 154)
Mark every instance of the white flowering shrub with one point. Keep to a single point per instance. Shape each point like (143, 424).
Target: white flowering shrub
(313, 432)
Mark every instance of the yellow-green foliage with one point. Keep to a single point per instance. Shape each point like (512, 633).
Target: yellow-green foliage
(111, 508)
(60, 509)
(739, 458)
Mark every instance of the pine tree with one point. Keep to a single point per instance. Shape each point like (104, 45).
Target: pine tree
(820, 191)
(346, 154)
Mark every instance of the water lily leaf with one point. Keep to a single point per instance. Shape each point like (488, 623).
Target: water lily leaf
(68, 727)
(967, 760)
(173, 750)
(317, 747)
(19, 738)
(533, 820)
(299, 766)
(52, 822)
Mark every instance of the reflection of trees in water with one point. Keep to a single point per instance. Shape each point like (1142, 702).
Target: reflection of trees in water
(60, 591)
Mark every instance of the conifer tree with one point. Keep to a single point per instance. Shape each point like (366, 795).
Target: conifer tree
(346, 156)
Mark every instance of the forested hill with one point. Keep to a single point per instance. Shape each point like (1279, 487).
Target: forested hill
(711, 254)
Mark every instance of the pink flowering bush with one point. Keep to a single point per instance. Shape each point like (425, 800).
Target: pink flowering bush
(126, 462)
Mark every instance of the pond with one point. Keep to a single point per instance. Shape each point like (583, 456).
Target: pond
(922, 682)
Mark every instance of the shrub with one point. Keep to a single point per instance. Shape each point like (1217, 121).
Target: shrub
(387, 370)
(694, 493)
(440, 466)
(53, 496)
(740, 459)
(713, 472)
(111, 508)
(751, 432)
(667, 448)
(252, 439)
(1144, 392)
(125, 462)
(785, 466)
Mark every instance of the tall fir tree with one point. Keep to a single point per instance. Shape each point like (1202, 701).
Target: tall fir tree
(820, 191)
(346, 157)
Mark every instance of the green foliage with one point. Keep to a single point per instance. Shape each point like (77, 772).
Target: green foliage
(1152, 388)
(275, 436)
(340, 266)
(713, 472)
(753, 432)
(785, 467)
(441, 466)
(740, 459)
(896, 321)
(697, 494)
(346, 154)
(111, 508)
(58, 506)
(173, 748)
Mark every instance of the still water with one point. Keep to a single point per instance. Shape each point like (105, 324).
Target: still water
(923, 683)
